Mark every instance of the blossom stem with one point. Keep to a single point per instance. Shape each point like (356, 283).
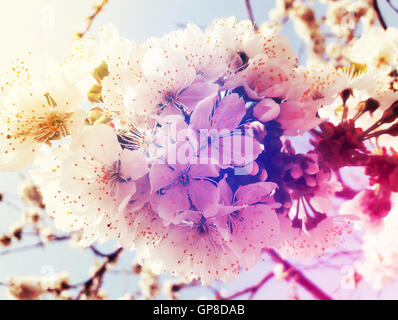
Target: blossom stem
(91, 18)
(373, 127)
(251, 16)
(379, 15)
(298, 276)
(99, 253)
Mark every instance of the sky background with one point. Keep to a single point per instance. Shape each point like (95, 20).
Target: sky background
(47, 28)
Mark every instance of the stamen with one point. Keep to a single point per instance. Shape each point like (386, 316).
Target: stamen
(203, 226)
(390, 115)
(51, 102)
(370, 105)
(131, 138)
(51, 126)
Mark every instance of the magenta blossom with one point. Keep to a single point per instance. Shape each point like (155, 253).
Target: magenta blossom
(220, 133)
(178, 187)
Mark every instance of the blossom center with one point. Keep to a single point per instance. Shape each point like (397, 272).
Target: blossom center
(203, 226)
(113, 174)
(51, 126)
(184, 179)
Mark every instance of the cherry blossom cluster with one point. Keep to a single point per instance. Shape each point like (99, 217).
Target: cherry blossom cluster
(184, 147)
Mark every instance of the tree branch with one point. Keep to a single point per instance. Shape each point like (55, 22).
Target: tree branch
(92, 285)
(379, 15)
(39, 244)
(91, 18)
(252, 290)
(298, 276)
(392, 6)
(99, 253)
(250, 12)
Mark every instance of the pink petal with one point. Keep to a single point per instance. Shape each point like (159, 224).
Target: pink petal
(229, 112)
(197, 92)
(100, 142)
(203, 170)
(296, 171)
(172, 205)
(266, 110)
(125, 191)
(205, 196)
(200, 118)
(257, 229)
(162, 175)
(133, 164)
(254, 192)
(226, 195)
(239, 149)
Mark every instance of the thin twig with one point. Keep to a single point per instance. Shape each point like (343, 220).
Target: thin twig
(28, 247)
(97, 252)
(250, 12)
(298, 276)
(392, 6)
(91, 19)
(93, 284)
(379, 15)
(252, 290)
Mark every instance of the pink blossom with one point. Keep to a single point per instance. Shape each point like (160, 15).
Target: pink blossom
(247, 219)
(169, 84)
(195, 249)
(371, 206)
(217, 125)
(177, 187)
(329, 233)
(100, 176)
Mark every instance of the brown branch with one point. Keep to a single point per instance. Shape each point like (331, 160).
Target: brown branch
(97, 252)
(91, 18)
(39, 244)
(250, 12)
(297, 276)
(252, 290)
(92, 285)
(379, 15)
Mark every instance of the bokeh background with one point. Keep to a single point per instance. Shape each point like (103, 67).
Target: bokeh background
(47, 28)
